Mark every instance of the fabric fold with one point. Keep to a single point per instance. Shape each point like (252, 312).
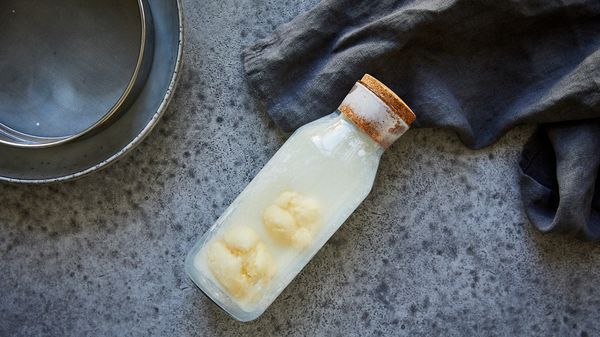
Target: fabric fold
(560, 178)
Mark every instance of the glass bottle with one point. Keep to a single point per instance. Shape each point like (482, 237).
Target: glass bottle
(297, 201)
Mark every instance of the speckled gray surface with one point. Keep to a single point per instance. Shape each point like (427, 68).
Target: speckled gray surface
(440, 247)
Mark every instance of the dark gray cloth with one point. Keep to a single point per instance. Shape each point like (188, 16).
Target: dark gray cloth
(477, 67)
(560, 178)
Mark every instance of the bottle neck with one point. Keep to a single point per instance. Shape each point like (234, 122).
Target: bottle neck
(365, 138)
(369, 113)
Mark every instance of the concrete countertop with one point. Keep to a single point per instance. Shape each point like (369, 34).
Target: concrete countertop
(441, 247)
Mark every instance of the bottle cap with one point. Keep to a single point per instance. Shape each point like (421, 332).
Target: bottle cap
(377, 110)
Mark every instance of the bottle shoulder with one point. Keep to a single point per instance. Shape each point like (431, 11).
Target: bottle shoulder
(333, 134)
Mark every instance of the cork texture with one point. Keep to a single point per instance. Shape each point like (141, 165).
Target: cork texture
(389, 97)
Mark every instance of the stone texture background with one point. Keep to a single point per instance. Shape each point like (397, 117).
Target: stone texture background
(440, 248)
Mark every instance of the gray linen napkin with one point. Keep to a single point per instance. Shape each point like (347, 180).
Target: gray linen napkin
(476, 67)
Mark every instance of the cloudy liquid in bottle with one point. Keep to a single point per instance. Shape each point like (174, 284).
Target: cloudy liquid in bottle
(294, 205)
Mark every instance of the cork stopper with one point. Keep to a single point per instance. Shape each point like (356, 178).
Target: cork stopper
(389, 97)
(377, 110)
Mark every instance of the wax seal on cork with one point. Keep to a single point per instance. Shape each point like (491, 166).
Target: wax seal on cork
(377, 110)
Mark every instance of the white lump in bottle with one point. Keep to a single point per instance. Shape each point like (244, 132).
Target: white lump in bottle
(292, 219)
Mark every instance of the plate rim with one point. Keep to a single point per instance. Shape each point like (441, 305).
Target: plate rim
(139, 137)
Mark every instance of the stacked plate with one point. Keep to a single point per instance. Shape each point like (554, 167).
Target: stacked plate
(82, 82)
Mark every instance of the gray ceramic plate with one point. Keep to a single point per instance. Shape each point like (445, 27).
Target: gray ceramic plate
(83, 156)
(69, 66)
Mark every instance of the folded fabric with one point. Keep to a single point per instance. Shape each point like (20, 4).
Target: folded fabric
(476, 67)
